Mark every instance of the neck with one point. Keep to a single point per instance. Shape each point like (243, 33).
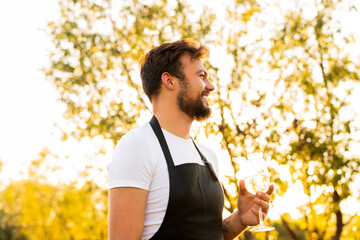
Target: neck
(175, 122)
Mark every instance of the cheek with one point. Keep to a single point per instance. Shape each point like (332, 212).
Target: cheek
(200, 85)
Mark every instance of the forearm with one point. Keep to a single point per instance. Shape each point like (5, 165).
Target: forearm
(232, 226)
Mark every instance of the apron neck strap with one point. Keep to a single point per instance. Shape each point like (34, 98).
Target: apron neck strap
(160, 136)
(205, 161)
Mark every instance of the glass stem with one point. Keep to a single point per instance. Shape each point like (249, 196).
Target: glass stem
(261, 217)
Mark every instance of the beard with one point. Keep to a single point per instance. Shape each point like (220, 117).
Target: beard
(194, 108)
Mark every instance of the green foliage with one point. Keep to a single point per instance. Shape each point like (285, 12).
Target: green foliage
(34, 209)
(10, 230)
(283, 234)
(313, 61)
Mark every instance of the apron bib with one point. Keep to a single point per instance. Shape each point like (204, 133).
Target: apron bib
(196, 200)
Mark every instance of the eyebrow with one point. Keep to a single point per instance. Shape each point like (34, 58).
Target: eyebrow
(204, 71)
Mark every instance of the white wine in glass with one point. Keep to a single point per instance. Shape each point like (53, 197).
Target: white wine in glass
(258, 180)
(257, 183)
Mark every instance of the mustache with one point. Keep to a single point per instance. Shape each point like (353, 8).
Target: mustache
(205, 93)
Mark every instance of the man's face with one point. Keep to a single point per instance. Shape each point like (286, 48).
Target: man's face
(195, 88)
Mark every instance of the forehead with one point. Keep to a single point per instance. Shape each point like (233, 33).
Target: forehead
(191, 65)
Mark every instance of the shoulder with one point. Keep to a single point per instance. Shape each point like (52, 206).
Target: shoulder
(139, 138)
(134, 160)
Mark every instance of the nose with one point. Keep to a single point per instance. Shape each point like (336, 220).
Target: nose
(209, 86)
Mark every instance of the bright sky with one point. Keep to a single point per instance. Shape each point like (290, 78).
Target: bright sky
(28, 106)
(28, 103)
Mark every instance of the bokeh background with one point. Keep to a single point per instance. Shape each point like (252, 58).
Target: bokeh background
(287, 77)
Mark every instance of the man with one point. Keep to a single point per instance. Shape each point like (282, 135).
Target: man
(163, 185)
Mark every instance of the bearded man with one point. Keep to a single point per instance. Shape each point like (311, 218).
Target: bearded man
(163, 184)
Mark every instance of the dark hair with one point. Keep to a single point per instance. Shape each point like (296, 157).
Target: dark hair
(166, 58)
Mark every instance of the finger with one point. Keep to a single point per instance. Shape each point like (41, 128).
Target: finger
(263, 196)
(270, 189)
(255, 211)
(263, 204)
(243, 189)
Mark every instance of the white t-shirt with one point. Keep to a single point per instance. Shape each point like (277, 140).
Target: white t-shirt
(138, 161)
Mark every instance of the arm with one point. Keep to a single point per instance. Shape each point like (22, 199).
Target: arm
(247, 213)
(126, 213)
(232, 226)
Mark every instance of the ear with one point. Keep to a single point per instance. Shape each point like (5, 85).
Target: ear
(168, 80)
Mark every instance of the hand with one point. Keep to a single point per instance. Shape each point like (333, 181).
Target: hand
(248, 204)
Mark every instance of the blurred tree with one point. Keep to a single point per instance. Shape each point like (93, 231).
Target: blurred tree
(81, 212)
(10, 230)
(316, 75)
(35, 209)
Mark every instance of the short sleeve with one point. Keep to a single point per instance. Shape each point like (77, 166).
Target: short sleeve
(131, 164)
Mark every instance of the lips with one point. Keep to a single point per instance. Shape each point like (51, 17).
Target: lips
(205, 93)
(204, 96)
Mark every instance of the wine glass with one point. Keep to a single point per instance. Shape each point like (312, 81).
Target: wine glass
(257, 179)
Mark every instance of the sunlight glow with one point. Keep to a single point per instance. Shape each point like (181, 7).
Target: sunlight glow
(292, 199)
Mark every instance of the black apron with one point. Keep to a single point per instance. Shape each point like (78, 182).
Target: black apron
(196, 199)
